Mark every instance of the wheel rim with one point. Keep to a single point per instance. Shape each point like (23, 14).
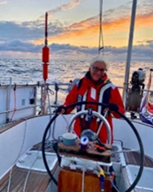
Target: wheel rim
(124, 117)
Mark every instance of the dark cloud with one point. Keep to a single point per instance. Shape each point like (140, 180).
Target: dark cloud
(143, 52)
(20, 46)
(29, 31)
(18, 37)
(12, 30)
(83, 49)
(140, 52)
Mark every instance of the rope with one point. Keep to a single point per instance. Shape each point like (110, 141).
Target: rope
(83, 178)
(10, 174)
(50, 112)
(115, 188)
(101, 40)
(9, 181)
(125, 151)
(44, 97)
(29, 171)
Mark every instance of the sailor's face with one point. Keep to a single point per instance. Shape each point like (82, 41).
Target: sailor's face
(97, 70)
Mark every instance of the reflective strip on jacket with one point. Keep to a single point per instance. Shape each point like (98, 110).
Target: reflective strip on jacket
(105, 92)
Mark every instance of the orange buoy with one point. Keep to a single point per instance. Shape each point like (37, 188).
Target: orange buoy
(45, 54)
(45, 71)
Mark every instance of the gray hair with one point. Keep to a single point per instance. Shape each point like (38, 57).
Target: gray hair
(99, 58)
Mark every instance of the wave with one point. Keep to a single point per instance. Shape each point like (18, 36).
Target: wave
(30, 70)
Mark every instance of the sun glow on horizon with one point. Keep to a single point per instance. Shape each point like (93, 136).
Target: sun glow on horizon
(115, 32)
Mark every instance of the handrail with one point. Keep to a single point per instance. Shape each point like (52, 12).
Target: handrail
(19, 109)
(61, 87)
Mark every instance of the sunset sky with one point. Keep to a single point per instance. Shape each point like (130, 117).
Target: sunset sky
(73, 28)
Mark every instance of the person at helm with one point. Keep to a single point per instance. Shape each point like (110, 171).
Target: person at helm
(95, 86)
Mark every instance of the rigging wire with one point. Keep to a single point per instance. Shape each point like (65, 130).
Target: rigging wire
(101, 39)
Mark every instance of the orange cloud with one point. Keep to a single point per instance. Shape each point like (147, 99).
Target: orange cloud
(78, 33)
(144, 21)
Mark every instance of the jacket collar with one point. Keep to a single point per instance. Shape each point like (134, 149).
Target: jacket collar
(101, 81)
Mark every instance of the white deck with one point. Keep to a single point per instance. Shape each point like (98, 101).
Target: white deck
(33, 160)
(146, 180)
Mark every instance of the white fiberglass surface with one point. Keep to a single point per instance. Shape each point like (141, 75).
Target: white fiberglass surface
(146, 180)
(33, 160)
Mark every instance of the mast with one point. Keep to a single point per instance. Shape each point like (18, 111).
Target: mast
(45, 60)
(128, 61)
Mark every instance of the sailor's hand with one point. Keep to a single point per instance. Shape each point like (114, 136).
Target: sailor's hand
(113, 107)
(60, 110)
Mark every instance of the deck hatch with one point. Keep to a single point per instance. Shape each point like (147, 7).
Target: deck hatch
(33, 160)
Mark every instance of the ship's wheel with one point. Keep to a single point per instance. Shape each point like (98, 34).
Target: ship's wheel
(104, 120)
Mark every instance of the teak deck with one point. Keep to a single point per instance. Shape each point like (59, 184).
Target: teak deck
(134, 159)
(37, 181)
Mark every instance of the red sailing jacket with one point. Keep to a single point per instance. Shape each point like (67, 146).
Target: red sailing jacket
(103, 91)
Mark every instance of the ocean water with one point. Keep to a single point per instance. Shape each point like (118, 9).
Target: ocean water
(29, 71)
